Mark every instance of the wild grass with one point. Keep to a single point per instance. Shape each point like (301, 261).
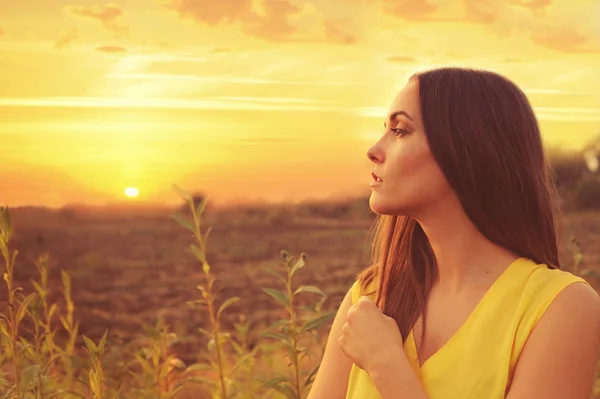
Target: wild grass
(35, 365)
(42, 357)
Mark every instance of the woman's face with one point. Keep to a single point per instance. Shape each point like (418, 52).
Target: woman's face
(411, 178)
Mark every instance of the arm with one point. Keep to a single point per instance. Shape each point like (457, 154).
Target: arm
(560, 356)
(331, 381)
(395, 379)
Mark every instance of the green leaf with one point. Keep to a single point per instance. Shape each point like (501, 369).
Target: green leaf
(37, 287)
(90, 344)
(589, 273)
(279, 323)
(310, 378)
(11, 393)
(61, 392)
(226, 304)
(66, 280)
(184, 223)
(164, 370)
(5, 224)
(28, 376)
(205, 332)
(299, 265)
(207, 234)
(103, 341)
(309, 288)
(201, 256)
(198, 367)
(285, 388)
(201, 380)
(24, 305)
(317, 322)
(184, 195)
(277, 336)
(273, 381)
(94, 384)
(279, 296)
(274, 273)
(52, 310)
(242, 361)
(201, 206)
(4, 329)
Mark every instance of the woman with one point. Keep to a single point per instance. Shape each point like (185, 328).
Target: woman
(465, 298)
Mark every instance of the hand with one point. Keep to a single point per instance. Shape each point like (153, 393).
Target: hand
(370, 338)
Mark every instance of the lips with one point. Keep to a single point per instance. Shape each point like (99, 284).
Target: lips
(375, 177)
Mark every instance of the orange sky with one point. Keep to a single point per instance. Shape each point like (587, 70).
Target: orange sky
(277, 99)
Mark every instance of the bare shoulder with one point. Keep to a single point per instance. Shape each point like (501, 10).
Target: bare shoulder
(577, 305)
(560, 356)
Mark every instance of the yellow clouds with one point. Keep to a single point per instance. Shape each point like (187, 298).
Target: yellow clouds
(272, 20)
(111, 49)
(565, 25)
(70, 37)
(107, 15)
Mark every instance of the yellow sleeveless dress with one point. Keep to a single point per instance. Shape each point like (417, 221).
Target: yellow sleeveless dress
(479, 359)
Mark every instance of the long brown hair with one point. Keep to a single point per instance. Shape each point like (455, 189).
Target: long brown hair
(484, 135)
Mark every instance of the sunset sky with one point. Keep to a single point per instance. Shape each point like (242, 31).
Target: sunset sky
(274, 99)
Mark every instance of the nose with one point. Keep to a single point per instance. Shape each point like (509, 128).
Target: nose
(374, 154)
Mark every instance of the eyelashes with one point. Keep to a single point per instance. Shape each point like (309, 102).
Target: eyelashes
(399, 131)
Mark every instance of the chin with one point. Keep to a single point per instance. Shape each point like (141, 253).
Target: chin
(383, 206)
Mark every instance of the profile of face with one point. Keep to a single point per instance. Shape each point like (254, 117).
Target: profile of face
(411, 179)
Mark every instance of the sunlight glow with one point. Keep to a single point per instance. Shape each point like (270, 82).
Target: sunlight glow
(132, 192)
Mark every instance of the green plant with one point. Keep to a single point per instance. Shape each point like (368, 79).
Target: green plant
(216, 359)
(577, 254)
(44, 352)
(156, 363)
(291, 332)
(13, 346)
(69, 361)
(96, 373)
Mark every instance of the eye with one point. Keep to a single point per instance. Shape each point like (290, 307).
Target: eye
(399, 131)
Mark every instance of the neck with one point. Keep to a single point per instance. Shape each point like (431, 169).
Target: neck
(462, 253)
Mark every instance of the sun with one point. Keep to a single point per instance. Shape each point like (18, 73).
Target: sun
(132, 192)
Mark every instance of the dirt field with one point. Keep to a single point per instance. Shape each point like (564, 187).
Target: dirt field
(128, 271)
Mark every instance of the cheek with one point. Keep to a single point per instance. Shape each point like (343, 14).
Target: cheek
(416, 171)
(413, 181)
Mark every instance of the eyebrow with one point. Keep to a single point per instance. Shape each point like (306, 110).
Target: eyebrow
(396, 114)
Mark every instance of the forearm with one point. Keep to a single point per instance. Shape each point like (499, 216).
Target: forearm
(397, 380)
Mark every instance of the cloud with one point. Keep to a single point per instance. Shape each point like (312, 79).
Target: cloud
(111, 49)
(208, 103)
(561, 26)
(67, 39)
(534, 5)
(400, 59)
(336, 35)
(267, 20)
(511, 60)
(221, 50)
(107, 15)
(272, 20)
(409, 9)
(565, 39)
(274, 23)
